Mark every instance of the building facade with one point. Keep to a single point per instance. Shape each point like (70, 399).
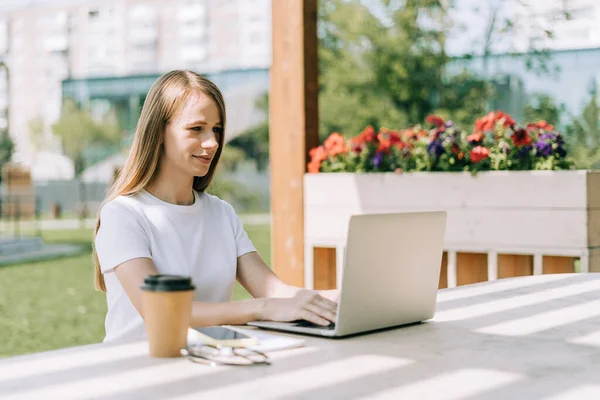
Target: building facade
(45, 44)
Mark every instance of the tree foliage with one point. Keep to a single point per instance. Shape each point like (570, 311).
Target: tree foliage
(544, 108)
(389, 69)
(79, 131)
(384, 64)
(7, 148)
(583, 136)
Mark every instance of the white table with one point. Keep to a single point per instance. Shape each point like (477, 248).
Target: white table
(525, 338)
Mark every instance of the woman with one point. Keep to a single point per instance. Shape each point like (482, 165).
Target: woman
(158, 219)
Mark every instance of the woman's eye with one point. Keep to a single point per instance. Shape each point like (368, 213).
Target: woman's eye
(196, 128)
(218, 131)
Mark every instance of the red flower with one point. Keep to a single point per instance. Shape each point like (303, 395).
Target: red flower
(318, 153)
(521, 138)
(455, 148)
(479, 153)
(335, 144)
(387, 139)
(356, 146)
(487, 123)
(435, 120)
(507, 119)
(367, 135)
(314, 167)
(541, 124)
(317, 156)
(475, 137)
(384, 147)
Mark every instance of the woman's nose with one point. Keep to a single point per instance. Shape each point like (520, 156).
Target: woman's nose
(210, 142)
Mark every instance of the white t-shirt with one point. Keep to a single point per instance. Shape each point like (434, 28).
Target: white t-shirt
(202, 240)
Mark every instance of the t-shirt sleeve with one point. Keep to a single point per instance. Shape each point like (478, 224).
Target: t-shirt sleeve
(121, 236)
(243, 243)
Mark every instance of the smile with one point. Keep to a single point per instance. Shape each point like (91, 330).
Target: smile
(203, 159)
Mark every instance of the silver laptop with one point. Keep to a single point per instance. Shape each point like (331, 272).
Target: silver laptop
(390, 276)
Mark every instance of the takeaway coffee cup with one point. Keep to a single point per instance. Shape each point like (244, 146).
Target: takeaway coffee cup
(167, 306)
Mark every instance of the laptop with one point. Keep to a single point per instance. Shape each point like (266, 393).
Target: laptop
(390, 276)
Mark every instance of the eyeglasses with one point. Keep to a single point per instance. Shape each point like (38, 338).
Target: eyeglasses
(220, 355)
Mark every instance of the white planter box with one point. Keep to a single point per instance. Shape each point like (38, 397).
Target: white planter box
(555, 213)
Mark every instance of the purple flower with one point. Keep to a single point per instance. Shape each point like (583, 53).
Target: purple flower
(377, 160)
(435, 148)
(544, 148)
(544, 144)
(560, 149)
(547, 141)
(449, 124)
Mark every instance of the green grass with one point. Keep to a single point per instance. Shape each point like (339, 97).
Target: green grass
(52, 304)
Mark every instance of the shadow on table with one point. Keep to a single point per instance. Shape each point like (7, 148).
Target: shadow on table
(474, 357)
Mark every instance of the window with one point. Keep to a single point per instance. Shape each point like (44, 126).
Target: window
(255, 37)
(145, 47)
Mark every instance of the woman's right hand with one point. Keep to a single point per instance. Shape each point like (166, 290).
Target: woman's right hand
(306, 305)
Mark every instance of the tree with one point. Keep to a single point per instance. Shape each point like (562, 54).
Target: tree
(386, 66)
(518, 28)
(79, 131)
(544, 108)
(7, 148)
(583, 137)
(230, 159)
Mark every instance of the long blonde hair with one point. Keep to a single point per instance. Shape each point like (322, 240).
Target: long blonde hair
(165, 97)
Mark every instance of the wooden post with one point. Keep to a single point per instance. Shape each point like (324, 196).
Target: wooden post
(444, 272)
(293, 129)
(324, 260)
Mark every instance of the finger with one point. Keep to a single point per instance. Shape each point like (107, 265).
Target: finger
(321, 312)
(315, 319)
(326, 308)
(326, 303)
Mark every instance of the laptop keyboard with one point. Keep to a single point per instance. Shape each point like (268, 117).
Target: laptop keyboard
(308, 324)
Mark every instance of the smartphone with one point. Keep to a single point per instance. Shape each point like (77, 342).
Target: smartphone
(223, 335)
